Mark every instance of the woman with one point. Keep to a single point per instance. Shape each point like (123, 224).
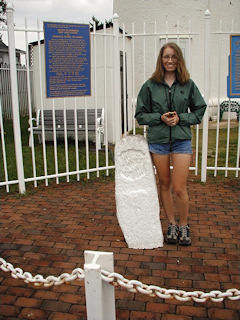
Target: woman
(169, 103)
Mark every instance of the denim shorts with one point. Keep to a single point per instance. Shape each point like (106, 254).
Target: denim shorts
(178, 146)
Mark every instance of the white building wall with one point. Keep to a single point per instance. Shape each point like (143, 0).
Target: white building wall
(178, 13)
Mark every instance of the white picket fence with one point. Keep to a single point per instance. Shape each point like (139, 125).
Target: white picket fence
(5, 90)
(119, 117)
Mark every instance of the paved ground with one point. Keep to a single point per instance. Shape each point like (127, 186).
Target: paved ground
(46, 232)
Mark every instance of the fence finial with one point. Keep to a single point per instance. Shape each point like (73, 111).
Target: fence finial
(9, 7)
(207, 13)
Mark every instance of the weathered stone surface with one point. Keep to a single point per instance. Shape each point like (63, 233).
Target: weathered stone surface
(137, 201)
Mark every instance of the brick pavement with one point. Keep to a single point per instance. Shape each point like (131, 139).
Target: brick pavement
(46, 232)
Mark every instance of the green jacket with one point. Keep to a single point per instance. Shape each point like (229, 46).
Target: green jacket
(155, 99)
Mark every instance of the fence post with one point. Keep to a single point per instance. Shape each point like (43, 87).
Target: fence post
(100, 295)
(206, 95)
(117, 87)
(15, 101)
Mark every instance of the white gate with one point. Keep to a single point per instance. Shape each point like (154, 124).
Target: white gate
(115, 88)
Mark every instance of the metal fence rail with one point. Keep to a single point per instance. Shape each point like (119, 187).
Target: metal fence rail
(127, 67)
(31, 86)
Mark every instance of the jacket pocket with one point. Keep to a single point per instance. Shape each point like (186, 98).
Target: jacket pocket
(181, 133)
(159, 134)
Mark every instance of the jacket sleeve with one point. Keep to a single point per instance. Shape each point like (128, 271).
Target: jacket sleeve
(197, 107)
(144, 113)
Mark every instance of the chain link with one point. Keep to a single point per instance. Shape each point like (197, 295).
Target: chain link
(197, 296)
(38, 280)
(117, 279)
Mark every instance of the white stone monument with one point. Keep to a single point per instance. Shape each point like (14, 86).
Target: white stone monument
(138, 210)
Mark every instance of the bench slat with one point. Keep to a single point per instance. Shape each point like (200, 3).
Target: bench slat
(70, 117)
(95, 121)
(61, 129)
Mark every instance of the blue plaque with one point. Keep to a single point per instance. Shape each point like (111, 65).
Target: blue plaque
(67, 52)
(233, 79)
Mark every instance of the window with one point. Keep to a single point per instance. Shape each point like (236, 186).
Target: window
(184, 44)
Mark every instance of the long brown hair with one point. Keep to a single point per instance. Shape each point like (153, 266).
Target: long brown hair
(182, 73)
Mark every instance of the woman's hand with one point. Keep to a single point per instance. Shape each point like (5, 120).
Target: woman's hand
(170, 118)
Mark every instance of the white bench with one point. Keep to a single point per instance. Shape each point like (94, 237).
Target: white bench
(234, 107)
(59, 119)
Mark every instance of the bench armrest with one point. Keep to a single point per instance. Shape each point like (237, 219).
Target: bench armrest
(30, 121)
(101, 119)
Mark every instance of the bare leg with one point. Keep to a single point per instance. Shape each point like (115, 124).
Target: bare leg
(162, 164)
(181, 163)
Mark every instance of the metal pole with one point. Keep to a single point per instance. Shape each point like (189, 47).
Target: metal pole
(117, 87)
(100, 295)
(15, 102)
(206, 95)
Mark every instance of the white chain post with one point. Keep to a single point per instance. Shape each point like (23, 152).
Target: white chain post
(100, 295)
(97, 285)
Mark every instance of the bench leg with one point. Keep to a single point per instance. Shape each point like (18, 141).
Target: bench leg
(30, 140)
(104, 139)
(99, 139)
(221, 115)
(100, 135)
(40, 138)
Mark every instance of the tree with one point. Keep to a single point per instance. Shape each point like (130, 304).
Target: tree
(98, 23)
(3, 6)
(95, 21)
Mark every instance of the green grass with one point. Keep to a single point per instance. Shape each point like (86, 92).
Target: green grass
(39, 159)
(222, 144)
(222, 149)
(27, 155)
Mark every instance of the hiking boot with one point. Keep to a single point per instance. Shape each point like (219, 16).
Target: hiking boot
(184, 235)
(172, 234)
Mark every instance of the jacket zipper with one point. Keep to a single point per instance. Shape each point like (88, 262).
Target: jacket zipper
(170, 109)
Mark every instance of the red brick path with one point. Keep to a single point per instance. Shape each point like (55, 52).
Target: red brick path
(47, 232)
